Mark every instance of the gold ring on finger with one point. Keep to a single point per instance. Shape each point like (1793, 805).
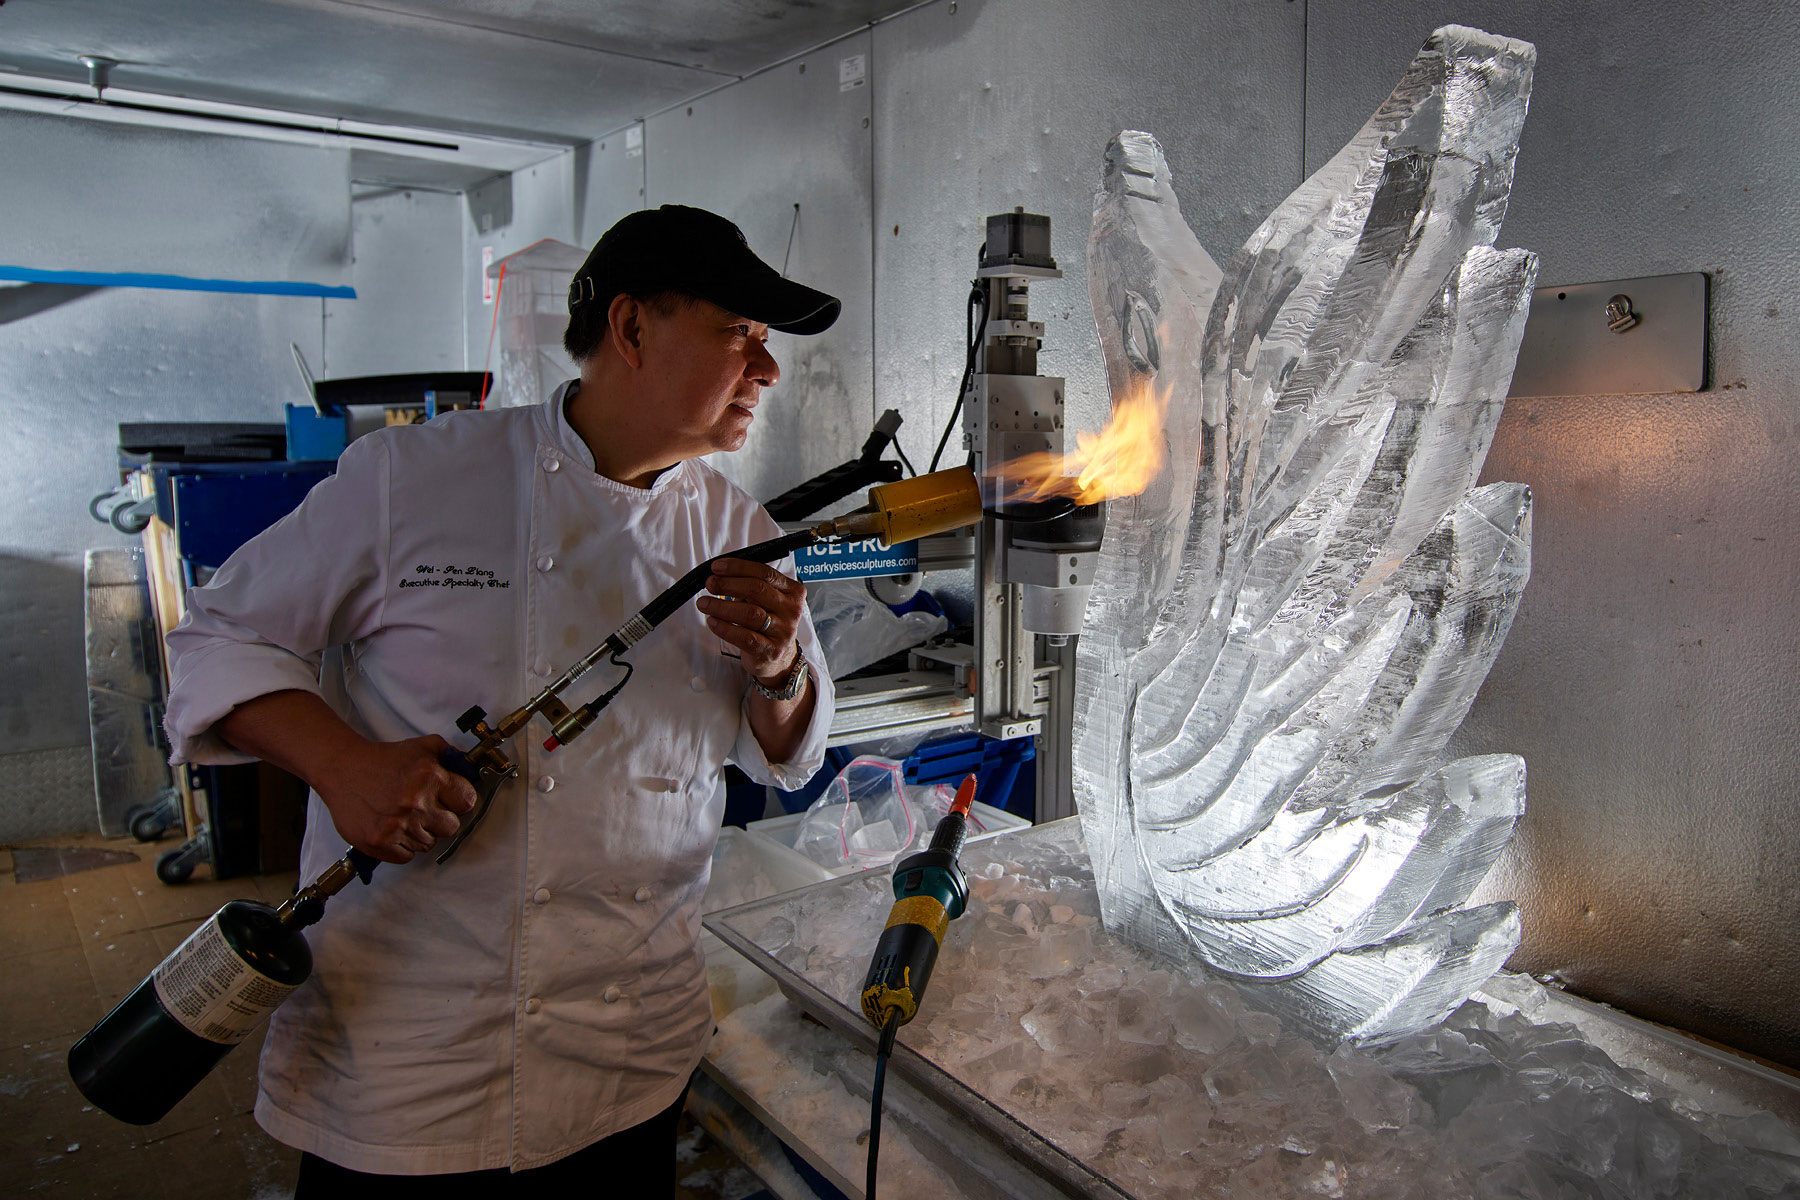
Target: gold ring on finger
(768, 620)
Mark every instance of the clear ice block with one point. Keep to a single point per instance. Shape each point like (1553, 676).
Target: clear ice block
(1287, 627)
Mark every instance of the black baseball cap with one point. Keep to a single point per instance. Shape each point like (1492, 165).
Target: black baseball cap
(682, 249)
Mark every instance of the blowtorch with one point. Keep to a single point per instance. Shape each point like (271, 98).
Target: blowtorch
(930, 891)
(222, 982)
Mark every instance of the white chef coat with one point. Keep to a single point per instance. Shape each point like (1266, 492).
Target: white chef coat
(544, 988)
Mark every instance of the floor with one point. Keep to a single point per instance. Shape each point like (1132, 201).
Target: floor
(82, 921)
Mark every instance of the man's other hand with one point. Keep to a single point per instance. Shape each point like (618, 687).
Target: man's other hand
(757, 609)
(395, 799)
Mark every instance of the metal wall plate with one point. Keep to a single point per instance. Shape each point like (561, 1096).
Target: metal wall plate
(1626, 336)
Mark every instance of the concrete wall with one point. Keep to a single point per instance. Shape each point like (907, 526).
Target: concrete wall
(75, 362)
(1650, 678)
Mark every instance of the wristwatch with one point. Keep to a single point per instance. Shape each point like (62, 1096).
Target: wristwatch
(792, 686)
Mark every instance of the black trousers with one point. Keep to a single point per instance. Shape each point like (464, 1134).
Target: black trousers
(633, 1163)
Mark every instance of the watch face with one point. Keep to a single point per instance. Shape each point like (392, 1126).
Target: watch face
(790, 687)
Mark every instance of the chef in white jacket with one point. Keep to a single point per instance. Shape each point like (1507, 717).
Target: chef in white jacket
(531, 1010)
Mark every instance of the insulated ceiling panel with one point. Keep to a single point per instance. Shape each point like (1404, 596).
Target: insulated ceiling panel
(727, 37)
(565, 70)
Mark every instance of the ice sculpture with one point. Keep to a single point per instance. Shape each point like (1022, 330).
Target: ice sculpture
(1286, 628)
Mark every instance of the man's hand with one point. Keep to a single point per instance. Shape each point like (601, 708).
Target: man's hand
(757, 609)
(394, 799)
(391, 800)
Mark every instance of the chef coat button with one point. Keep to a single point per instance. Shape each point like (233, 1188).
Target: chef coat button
(546, 783)
(611, 995)
(641, 895)
(697, 683)
(541, 896)
(546, 562)
(552, 463)
(533, 1004)
(541, 667)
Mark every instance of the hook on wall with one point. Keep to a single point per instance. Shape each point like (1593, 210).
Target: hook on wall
(1619, 316)
(99, 69)
(790, 246)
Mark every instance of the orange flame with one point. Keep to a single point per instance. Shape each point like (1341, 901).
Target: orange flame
(1120, 460)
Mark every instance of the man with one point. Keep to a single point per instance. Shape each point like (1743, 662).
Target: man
(537, 1004)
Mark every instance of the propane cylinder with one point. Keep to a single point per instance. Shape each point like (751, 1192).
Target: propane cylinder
(205, 998)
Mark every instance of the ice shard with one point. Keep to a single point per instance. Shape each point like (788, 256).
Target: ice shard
(1287, 627)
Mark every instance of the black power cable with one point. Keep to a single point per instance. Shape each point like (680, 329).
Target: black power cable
(975, 326)
(885, 1048)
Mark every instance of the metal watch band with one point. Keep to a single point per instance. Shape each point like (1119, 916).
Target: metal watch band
(792, 686)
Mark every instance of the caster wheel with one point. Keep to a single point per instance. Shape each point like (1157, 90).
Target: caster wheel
(146, 825)
(172, 869)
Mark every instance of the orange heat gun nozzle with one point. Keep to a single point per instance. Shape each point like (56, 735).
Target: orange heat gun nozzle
(965, 796)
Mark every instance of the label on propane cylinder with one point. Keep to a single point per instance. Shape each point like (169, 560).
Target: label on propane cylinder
(214, 993)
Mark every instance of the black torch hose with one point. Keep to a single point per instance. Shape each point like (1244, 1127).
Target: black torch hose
(659, 610)
(886, 1047)
(690, 585)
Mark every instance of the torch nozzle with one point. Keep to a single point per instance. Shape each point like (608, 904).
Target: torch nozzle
(965, 796)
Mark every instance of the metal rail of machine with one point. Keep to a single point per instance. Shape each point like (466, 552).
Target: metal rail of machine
(1031, 579)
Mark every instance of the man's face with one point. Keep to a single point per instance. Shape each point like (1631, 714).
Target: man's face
(708, 368)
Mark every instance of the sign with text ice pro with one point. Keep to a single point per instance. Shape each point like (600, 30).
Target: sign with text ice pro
(855, 560)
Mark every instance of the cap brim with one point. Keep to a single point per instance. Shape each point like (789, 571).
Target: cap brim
(780, 304)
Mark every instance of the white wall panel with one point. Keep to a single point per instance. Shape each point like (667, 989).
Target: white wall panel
(93, 196)
(407, 269)
(609, 182)
(751, 152)
(988, 104)
(76, 362)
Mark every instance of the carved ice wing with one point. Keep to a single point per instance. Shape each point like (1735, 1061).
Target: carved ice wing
(1282, 640)
(1152, 286)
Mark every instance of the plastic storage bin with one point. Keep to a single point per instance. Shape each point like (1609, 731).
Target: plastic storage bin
(746, 868)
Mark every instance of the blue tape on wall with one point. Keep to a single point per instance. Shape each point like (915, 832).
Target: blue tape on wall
(181, 283)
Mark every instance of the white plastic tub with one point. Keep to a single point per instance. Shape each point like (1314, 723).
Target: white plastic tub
(746, 867)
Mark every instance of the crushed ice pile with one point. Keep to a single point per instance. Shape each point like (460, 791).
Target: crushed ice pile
(1167, 1083)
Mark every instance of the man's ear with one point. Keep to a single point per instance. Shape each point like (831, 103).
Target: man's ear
(625, 328)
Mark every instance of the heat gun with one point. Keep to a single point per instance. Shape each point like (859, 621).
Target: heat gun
(930, 891)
